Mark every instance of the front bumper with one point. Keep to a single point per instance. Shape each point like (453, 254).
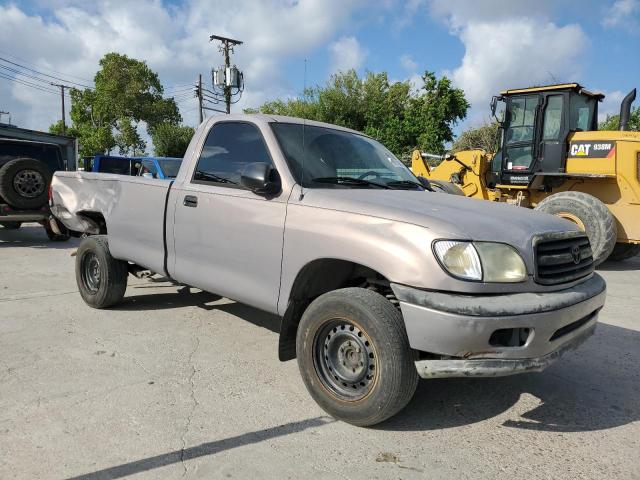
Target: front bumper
(456, 330)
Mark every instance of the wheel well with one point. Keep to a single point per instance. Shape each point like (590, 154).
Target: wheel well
(95, 222)
(319, 277)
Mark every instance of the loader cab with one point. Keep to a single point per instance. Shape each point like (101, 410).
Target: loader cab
(534, 130)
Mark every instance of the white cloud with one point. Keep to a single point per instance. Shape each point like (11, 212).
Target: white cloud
(622, 13)
(408, 63)
(346, 53)
(509, 45)
(174, 40)
(516, 53)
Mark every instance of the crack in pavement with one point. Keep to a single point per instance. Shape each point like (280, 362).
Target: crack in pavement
(192, 394)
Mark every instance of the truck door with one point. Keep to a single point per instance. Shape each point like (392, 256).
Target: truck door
(228, 240)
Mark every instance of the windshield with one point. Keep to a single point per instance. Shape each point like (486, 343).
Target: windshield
(170, 167)
(337, 159)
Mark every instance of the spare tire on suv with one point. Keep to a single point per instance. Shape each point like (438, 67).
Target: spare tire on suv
(24, 183)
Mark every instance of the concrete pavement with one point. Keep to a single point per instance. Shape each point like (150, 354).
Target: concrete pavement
(183, 384)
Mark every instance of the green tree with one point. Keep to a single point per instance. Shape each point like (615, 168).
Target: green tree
(484, 137)
(612, 122)
(127, 95)
(171, 140)
(391, 112)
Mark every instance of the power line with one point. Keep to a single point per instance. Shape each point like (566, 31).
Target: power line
(43, 68)
(43, 74)
(26, 83)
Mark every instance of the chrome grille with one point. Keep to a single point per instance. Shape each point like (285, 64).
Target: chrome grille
(562, 259)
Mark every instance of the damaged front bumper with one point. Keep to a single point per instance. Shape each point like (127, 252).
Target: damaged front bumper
(497, 335)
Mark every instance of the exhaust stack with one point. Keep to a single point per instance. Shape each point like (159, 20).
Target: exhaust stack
(625, 109)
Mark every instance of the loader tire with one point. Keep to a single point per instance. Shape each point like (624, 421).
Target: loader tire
(24, 183)
(590, 214)
(101, 279)
(624, 251)
(446, 187)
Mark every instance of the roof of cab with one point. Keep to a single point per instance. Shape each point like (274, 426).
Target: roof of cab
(560, 86)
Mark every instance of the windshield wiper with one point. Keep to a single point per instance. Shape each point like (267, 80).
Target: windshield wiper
(349, 181)
(404, 183)
(213, 178)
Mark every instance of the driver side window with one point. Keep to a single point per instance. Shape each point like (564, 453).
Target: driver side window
(229, 147)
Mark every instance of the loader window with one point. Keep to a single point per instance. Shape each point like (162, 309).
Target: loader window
(582, 111)
(521, 124)
(520, 132)
(552, 118)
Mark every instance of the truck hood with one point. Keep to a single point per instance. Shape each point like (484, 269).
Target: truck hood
(449, 216)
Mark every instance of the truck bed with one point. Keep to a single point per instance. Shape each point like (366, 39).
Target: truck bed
(133, 207)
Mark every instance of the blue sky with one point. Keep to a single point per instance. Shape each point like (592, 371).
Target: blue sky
(483, 45)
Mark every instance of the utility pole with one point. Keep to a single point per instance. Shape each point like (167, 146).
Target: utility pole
(200, 97)
(226, 48)
(62, 87)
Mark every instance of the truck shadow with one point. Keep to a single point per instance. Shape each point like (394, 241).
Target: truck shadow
(594, 388)
(186, 297)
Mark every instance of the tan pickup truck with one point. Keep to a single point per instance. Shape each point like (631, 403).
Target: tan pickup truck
(375, 277)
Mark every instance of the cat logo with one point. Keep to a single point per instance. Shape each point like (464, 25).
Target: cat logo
(580, 150)
(601, 149)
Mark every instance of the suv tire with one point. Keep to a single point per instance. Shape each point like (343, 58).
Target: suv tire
(590, 214)
(354, 356)
(101, 279)
(24, 183)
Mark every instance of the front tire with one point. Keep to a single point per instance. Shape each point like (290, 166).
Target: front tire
(354, 356)
(101, 279)
(590, 214)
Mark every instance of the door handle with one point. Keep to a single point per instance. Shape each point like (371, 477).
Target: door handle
(190, 201)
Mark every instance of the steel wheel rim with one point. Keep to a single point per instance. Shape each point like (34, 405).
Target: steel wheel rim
(345, 360)
(29, 183)
(90, 271)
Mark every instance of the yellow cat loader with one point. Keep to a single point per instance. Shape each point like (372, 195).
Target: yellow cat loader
(552, 158)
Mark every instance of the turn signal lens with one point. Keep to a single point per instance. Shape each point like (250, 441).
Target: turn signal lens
(460, 259)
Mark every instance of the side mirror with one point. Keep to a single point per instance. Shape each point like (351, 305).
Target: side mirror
(494, 107)
(260, 178)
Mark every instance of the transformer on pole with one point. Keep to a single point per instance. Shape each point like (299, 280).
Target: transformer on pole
(227, 80)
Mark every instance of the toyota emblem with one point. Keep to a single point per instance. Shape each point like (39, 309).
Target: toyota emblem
(575, 253)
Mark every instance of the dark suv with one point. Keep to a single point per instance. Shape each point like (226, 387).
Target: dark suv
(26, 168)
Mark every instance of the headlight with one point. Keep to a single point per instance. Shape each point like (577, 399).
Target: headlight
(481, 261)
